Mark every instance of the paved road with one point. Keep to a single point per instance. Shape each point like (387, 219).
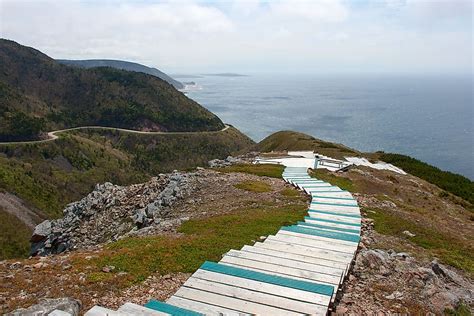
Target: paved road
(54, 134)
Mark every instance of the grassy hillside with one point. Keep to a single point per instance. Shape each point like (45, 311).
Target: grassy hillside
(39, 94)
(451, 182)
(50, 175)
(288, 140)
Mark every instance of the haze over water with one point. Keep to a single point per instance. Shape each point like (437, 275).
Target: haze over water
(426, 117)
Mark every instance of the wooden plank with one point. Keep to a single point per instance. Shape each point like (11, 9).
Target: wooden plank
(170, 309)
(290, 305)
(138, 310)
(354, 209)
(273, 289)
(330, 228)
(323, 189)
(102, 311)
(230, 302)
(315, 221)
(340, 237)
(269, 278)
(203, 308)
(325, 257)
(275, 252)
(321, 243)
(333, 217)
(272, 268)
(318, 219)
(295, 278)
(285, 262)
(334, 200)
(348, 245)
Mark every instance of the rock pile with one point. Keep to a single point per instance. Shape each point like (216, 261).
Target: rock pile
(109, 212)
(218, 163)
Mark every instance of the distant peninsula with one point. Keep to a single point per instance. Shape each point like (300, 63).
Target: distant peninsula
(226, 74)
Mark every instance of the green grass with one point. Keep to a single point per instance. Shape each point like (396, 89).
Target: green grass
(451, 182)
(14, 237)
(449, 250)
(267, 170)
(461, 310)
(254, 186)
(343, 183)
(289, 140)
(202, 239)
(289, 192)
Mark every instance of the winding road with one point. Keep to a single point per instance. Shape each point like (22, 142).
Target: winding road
(54, 134)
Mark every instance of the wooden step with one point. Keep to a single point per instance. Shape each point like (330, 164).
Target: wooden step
(203, 308)
(138, 310)
(170, 309)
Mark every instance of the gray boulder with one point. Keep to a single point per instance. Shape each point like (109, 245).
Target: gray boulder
(47, 306)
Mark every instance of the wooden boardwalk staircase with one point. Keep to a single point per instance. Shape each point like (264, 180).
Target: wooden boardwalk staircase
(297, 271)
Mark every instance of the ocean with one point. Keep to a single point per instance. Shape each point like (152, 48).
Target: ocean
(426, 117)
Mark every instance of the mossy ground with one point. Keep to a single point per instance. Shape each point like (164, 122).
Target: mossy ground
(268, 170)
(200, 240)
(341, 182)
(254, 186)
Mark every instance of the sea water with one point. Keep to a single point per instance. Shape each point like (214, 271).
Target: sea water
(427, 117)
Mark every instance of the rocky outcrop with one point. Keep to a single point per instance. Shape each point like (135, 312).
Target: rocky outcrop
(67, 306)
(219, 163)
(387, 282)
(109, 212)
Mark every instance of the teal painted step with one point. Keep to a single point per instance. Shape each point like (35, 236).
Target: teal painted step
(170, 309)
(335, 204)
(333, 198)
(347, 230)
(321, 233)
(331, 221)
(334, 213)
(322, 289)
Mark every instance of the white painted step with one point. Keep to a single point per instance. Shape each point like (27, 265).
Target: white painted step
(338, 218)
(271, 268)
(285, 262)
(262, 248)
(138, 310)
(291, 306)
(334, 201)
(293, 245)
(102, 311)
(332, 242)
(203, 308)
(315, 221)
(316, 244)
(278, 290)
(327, 228)
(230, 302)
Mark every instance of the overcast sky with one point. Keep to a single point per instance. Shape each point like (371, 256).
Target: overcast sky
(320, 36)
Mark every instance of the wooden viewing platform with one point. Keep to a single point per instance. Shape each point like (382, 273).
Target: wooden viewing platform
(297, 271)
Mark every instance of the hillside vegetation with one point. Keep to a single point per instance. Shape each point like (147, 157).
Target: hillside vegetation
(451, 182)
(289, 140)
(50, 175)
(124, 65)
(39, 94)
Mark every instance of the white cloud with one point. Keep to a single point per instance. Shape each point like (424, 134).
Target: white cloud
(187, 36)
